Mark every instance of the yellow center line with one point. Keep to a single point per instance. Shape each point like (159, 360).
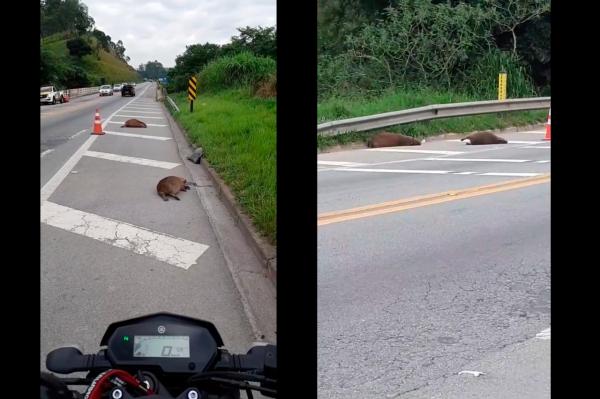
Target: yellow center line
(424, 200)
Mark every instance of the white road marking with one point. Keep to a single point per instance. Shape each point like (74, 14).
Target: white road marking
(140, 116)
(415, 151)
(509, 142)
(147, 124)
(339, 163)
(546, 147)
(545, 334)
(77, 134)
(542, 161)
(434, 172)
(133, 160)
(142, 112)
(510, 174)
(43, 154)
(174, 251)
(141, 136)
(473, 373)
(52, 184)
(477, 160)
(532, 132)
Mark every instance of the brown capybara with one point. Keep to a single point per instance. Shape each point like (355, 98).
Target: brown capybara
(482, 138)
(386, 139)
(170, 186)
(134, 123)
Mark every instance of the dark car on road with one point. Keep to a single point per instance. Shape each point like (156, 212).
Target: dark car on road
(127, 90)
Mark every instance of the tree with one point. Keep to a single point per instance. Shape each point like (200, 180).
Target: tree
(154, 70)
(259, 41)
(78, 47)
(509, 15)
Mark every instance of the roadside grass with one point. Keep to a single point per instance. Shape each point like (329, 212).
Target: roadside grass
(238, 135)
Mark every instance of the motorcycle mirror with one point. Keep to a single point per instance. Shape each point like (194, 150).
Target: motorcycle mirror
(66, 360)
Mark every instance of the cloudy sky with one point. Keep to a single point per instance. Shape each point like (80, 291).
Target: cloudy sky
(160, 30)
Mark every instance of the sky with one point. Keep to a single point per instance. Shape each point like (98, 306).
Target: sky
(160, 30)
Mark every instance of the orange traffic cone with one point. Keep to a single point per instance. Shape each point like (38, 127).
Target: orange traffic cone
(548, 128)
(97, 124)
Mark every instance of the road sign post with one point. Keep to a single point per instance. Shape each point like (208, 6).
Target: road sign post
(192, 92)
(502, 86)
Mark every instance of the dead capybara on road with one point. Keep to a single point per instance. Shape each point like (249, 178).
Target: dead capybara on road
(134, 123)
(484, 138)
(386, 139)
(170, 186)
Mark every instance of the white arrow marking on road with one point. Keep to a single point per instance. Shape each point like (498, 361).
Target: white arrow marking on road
(172, 250)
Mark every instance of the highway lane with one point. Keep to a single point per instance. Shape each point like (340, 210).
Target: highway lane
(111, 248)
(408, 299)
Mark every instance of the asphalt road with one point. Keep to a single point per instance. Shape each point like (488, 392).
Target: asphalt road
(408, 299)
(112, 249)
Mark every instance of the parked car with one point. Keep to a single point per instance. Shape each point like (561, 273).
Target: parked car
(128, 90)
(117, 87)
(51, 95)
(106, 90)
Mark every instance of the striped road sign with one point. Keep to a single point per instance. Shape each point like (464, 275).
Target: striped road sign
(192, 88)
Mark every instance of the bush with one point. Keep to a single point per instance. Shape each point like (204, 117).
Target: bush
(240, 70)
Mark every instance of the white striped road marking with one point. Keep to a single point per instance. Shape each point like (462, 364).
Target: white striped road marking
(542, 161)
(147, 124)
(144, 106)
(134, 160)
(546, 147)
(545, 334)
(478, 160)
(43, 154)
(509, 174)
(142, 112)
(52, 184)
(339, 163)
(532, 132)
(416, 151)
(77, 134)
(174, 251)
(141, 136)
(140, 116)
(434, 172)
(509, 141)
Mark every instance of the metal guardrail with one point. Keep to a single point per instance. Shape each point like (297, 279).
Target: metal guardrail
(83, 91)
(173, 103)
(429, 112)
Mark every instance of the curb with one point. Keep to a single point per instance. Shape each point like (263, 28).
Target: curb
(265, 252)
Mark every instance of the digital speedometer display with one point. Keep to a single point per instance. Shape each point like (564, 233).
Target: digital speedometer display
(161, 346)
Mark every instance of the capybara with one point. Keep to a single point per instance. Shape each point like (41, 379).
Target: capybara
(484, 138)
(170, 186)
(134, 123)
(386, 139)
